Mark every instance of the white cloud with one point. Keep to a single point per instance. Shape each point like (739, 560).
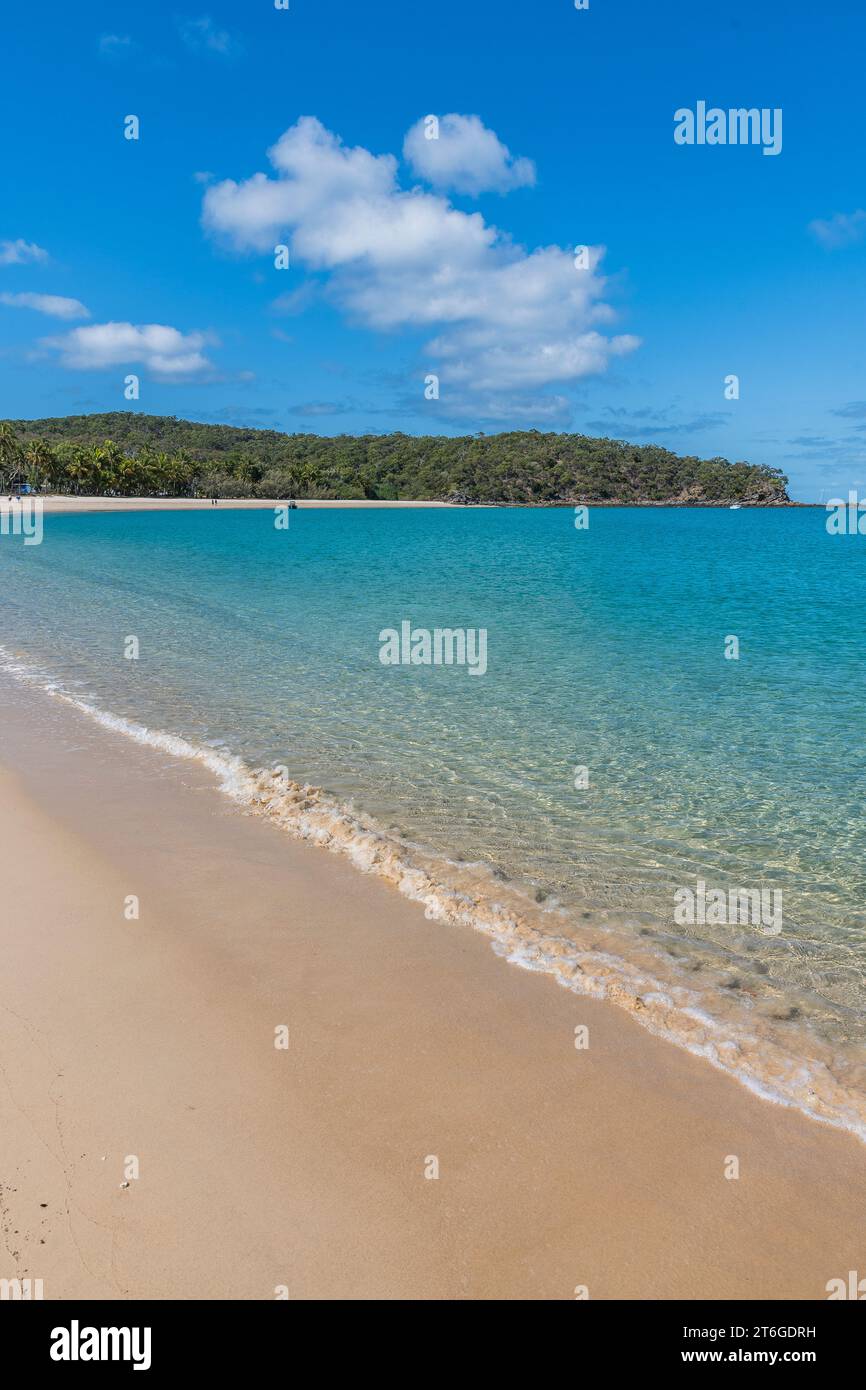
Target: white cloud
(295, 301)
(464, 156)
(163, 351)
(530, 411)
(842, 229)
(506, 321)
(202, 36)
(115, 45)
(21, 252)
(55, 305)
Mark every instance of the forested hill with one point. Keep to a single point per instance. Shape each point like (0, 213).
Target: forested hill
(131, 454)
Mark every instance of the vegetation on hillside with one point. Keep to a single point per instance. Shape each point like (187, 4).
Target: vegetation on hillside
(129, 455)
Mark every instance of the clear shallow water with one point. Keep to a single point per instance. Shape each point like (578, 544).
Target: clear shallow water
(605, 649)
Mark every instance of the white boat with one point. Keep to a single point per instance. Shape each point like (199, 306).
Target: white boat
(734, 507)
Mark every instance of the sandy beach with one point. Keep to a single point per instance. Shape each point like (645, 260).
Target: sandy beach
(148, 1045)
(60, 504)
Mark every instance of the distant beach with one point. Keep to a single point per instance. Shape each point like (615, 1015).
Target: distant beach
(63, 503)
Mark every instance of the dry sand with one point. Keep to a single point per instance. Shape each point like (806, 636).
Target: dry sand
(408, 1039)
(196, 504)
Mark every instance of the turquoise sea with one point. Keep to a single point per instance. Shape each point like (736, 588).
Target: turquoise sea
(259, 648)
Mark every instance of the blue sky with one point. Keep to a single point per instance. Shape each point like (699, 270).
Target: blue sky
(454, 256)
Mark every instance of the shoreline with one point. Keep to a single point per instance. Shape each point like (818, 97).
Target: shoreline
(782, 1062)
(62, 504)
(558, 1167)
(59, 504)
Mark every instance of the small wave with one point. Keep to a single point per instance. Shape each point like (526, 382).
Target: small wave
(795, 1070)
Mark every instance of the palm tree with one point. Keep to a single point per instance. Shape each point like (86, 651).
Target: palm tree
(107, 461)
(40, 462)
(77, 468)
(11, 456)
